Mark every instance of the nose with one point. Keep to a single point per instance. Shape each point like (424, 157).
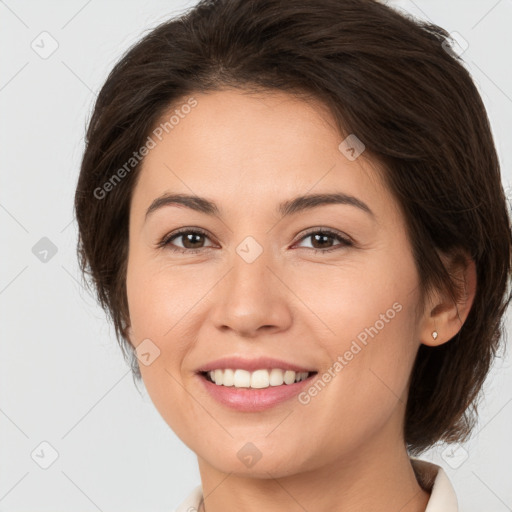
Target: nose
(252, 299)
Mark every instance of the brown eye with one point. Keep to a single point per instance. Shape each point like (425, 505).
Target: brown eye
(192, 241)
(322, 240)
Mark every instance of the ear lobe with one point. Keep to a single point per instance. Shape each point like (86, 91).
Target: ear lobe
(446, 317)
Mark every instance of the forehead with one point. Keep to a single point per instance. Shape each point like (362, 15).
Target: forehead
(261, 148)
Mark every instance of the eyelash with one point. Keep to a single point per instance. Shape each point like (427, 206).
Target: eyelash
(165, 242)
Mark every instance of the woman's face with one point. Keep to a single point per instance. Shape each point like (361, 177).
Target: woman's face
(250, 285)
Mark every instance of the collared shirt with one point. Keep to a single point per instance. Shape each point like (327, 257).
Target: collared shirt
(431, 477)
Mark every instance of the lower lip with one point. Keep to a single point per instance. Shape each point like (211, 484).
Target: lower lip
(254, 400)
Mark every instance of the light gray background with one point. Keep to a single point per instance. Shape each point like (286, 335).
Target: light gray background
(63, 379)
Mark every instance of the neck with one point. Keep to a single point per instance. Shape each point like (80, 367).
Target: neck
(375, 477)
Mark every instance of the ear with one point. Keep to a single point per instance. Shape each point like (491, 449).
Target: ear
(444, 316)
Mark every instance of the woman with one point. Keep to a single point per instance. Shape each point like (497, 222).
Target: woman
(293, 213)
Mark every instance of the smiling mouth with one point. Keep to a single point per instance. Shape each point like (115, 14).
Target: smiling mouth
(258, 379)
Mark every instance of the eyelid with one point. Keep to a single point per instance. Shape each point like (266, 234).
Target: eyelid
(326, 231)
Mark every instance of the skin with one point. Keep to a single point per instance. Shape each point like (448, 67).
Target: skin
(345, 449)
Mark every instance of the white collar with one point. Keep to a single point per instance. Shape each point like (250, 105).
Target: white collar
(434, 479)
(430, 476)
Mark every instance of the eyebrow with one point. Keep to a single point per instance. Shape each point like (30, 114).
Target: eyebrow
(286, 208)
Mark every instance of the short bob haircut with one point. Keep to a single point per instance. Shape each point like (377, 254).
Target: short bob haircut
(389, 78)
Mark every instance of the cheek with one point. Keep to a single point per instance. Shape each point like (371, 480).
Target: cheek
(156, 306)
(160, 299)
(359, 301)
(368, 328)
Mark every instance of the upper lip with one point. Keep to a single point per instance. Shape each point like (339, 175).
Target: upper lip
(235, 362)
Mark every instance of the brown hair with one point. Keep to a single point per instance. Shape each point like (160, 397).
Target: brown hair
(386, 77)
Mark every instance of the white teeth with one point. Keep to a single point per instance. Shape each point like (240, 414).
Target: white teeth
(276, 377)
(241, 379)
(228, 378)
(258, 379)
(217, 376)
(289, 377)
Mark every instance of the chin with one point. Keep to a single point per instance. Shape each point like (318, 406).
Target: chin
(258, 459)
